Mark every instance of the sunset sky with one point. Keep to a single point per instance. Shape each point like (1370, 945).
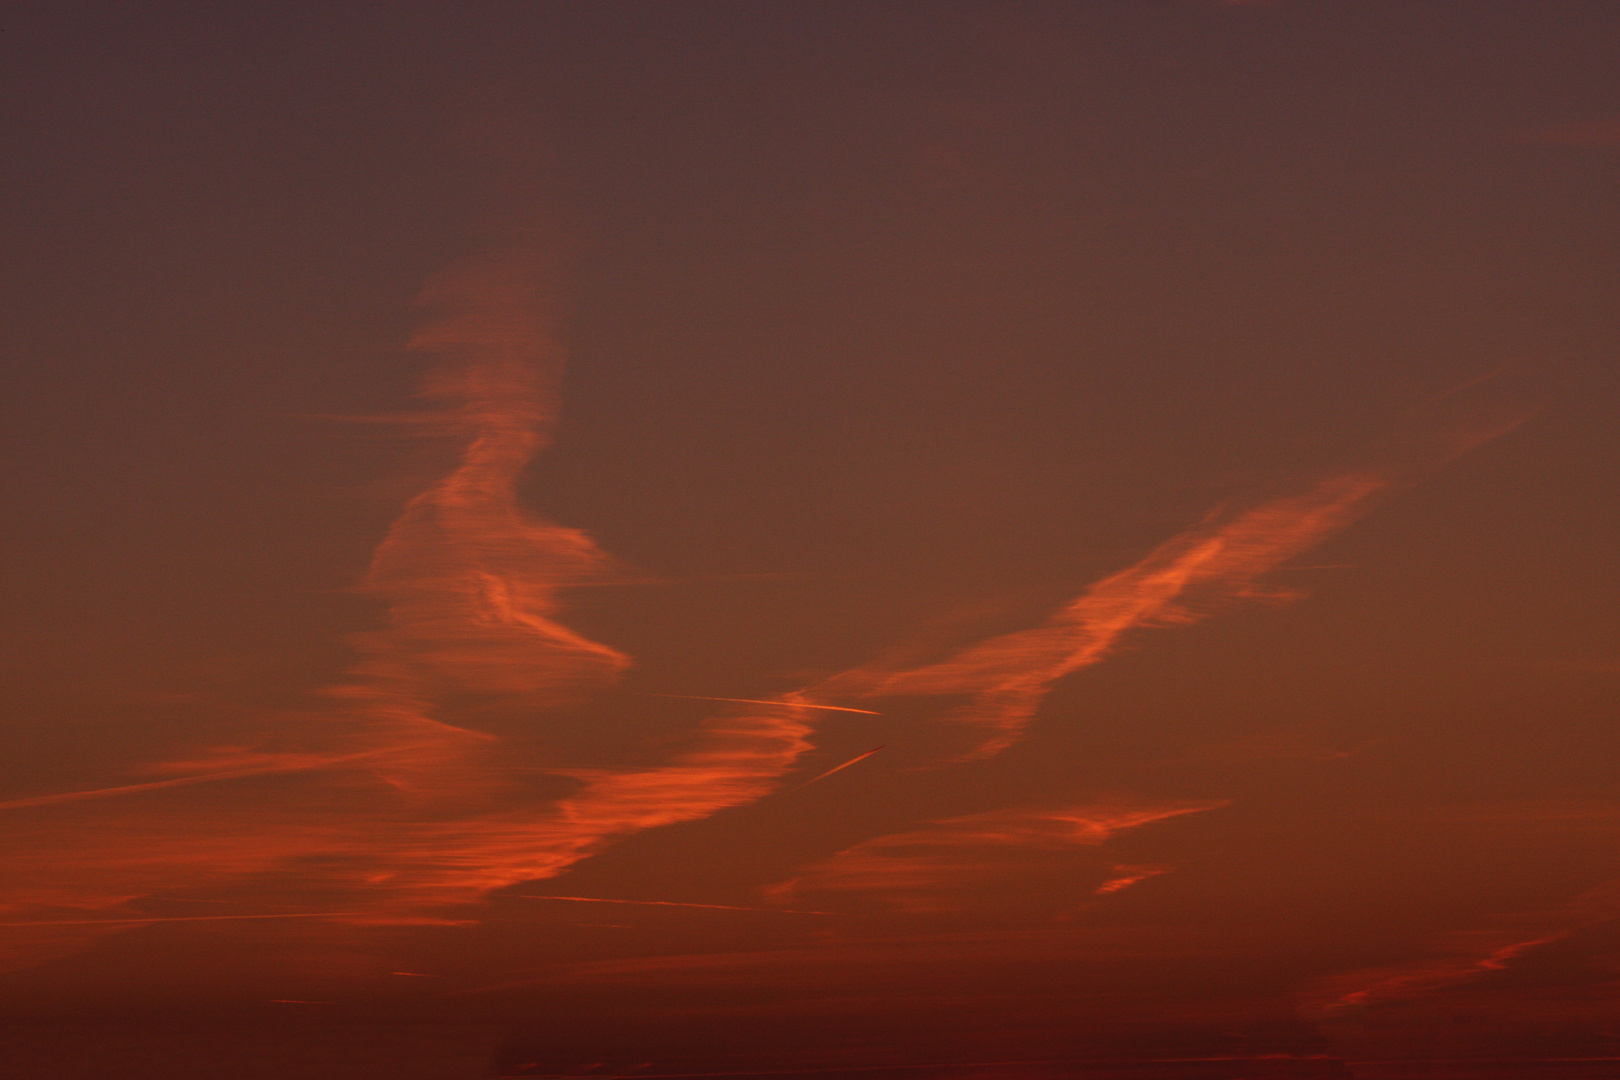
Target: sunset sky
(858, 538)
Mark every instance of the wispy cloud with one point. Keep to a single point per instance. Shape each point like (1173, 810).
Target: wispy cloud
(950, 864)
(1465, 956)
(471, 580)
(739, 757)
(1128, 876)
(185, 918)
(1183, 580)
(1214, 564)
(396, 801)
(766, 701)
(261, 764)
(669, 903)
(392, 796)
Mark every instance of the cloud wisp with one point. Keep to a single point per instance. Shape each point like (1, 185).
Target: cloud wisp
(1464, 957)
(1209, 567)
(957, 863)
(384, 795)
(1005, 678)
(396, 795)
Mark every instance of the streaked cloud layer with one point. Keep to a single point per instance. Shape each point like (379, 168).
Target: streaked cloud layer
(416, 792)
(395, 797)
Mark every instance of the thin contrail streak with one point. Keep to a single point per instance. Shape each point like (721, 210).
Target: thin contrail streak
(839, 768)
(183, 918)
(202, 778)
(762, 701)
(670, 903)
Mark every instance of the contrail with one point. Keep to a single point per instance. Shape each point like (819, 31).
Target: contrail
(202, 778)
(838, 768)
(762, 701)
(672, 903)
(182, 918)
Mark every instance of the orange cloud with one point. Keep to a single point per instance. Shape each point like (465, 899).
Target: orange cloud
(1128, 876)
(1007, 677)
(381, 799)
(738, 758)
(1215, 563)
(1467, 956)
(1416, 978)
(670, 903)
(471, 580)
(385, 799)
(950, 864)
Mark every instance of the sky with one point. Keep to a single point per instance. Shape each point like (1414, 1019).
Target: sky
(967, 539)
